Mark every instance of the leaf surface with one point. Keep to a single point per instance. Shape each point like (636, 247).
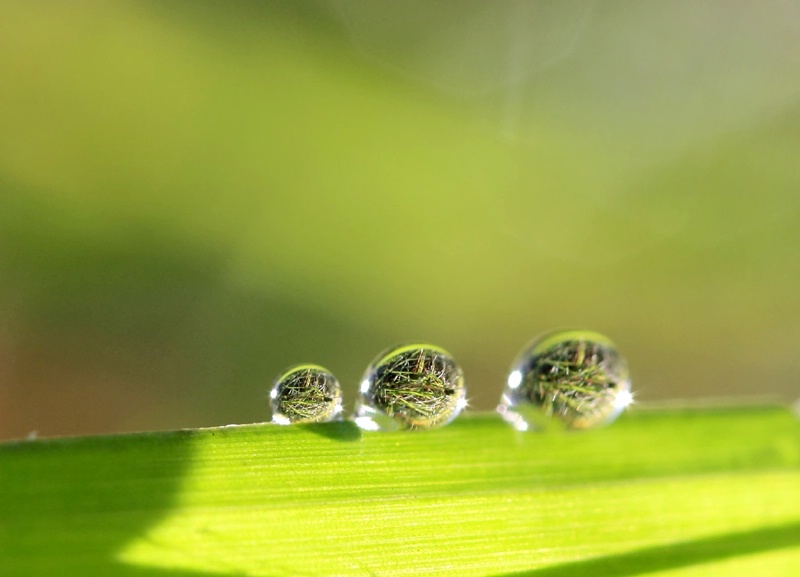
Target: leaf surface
(670, 492)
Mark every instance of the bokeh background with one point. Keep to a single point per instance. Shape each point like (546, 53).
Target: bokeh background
(195, 195)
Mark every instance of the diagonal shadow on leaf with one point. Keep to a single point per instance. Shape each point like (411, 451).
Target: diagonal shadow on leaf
(76, 527)
(662, 558)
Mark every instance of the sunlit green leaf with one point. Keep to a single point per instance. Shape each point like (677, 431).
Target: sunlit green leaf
(670, 492)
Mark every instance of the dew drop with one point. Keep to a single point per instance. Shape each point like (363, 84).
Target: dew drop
(305, 394)
(566, 379)
(415, 386)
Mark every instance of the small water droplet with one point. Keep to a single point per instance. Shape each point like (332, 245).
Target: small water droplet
(415, 386)
(566, 379)
(305, 394)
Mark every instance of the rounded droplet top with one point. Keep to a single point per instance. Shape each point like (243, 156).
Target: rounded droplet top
(305, 394)
(416, 386)
(567, 379)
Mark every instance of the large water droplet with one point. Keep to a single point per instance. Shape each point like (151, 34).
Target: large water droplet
(567, 379)
(305, 394)
(414, 386)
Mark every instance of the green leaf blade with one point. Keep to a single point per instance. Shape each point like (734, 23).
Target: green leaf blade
(474, 498)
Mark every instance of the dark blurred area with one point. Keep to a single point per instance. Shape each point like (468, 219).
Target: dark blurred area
(195, 195)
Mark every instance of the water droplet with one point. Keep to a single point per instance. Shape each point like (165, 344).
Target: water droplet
(305, 394)
(415, 386)
(566, 379)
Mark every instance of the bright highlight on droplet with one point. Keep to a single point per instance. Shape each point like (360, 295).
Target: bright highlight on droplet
(305, 394)
(280, 420)
(568, 379)
(416, 386)
(624, 400)
(514, 379)
(367, 424)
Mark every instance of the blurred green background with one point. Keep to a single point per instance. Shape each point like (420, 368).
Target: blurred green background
(195, 195)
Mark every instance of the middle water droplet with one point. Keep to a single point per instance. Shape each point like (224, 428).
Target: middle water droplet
(415, 386)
